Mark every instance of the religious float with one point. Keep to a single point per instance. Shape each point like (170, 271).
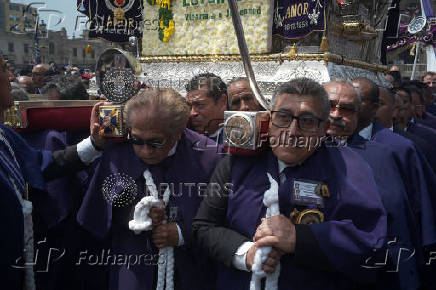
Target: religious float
(170, 41)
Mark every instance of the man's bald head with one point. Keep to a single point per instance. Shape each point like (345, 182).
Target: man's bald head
(39, 72)
(26, 83)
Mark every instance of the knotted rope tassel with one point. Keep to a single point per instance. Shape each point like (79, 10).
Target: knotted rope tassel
(271, 202)
(142, 222)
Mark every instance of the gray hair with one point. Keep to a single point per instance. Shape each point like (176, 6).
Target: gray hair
(304, 87)
(349, 83)
(18, 93)
(163, 103)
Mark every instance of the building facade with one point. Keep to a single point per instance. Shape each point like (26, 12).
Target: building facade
(17, 40)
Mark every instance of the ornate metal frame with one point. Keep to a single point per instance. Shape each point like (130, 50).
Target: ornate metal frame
(279, 57)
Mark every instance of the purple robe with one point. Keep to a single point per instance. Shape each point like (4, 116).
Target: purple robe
(28, 169)
(355, 219)
(413, 173)
(402, 232)
(428, 120)
(54, 215)
(431, 109)
(422, 131)
(193, 163)
(63, 194)
(422, 144)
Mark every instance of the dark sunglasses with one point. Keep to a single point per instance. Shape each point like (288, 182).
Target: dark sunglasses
(153, 143)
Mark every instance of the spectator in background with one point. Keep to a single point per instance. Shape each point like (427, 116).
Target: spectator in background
(86, 78)
(52, 68)
(397, 80)
(18, 93)
(394, 68)
(65, 87)
(75, 71)
(26, 71)
(26, 83)
(241, 98)
(429, 78)
(207, 97)
(39, 74)
(10, 71)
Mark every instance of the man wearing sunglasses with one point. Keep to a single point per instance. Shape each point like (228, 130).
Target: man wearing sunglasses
(178, 159)
(351, 222)
(344, 112)
(39, 74)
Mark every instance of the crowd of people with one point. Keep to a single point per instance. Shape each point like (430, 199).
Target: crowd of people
(355, 212)
(69, 83)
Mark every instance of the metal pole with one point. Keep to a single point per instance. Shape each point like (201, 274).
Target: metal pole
(237, 24)
(36, 42)
(418, 44)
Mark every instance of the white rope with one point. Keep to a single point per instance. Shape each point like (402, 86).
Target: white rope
(142, 222)
(271, 202)
(29, 278)
(26, 206)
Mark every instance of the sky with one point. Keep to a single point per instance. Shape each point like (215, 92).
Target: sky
(64, 11)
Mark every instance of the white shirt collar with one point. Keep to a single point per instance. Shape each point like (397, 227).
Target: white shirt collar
(366, 133)
(216, 134)
(173, 150)
(283, 165)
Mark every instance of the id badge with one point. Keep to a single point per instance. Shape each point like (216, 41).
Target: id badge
(307, 193)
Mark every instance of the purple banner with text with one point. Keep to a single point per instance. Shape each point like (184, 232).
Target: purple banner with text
(295, 19)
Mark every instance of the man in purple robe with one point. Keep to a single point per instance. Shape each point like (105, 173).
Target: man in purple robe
(421, 97)
(176, 157)
(207, 97)
(414, 169)
(55, 215)
(385, 117)
(322, 236)
(345, 106)
(23, 167)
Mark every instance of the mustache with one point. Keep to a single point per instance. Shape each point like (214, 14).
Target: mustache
(337, 122)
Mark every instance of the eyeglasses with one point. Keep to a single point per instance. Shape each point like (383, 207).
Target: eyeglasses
(153, 143)
(342, 108)
(36, 74)
(305, 123)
